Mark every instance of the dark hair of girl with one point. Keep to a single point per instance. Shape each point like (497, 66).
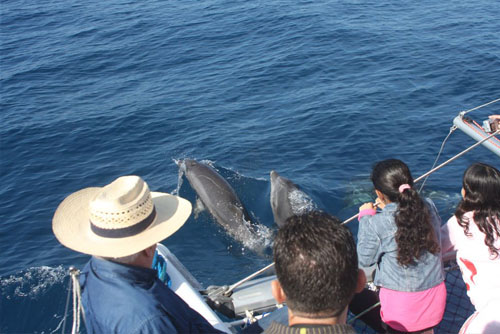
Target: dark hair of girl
(415, 234)
(481, 183)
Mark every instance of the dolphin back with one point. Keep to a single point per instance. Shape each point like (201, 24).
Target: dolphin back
(280, 198)
(287, 199)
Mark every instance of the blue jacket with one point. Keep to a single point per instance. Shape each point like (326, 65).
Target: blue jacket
(377, 245)
(119, 298)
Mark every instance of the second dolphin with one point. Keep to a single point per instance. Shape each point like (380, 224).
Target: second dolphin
(287, 199)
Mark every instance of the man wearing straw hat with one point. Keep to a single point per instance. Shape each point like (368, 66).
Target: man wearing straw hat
(119, 225)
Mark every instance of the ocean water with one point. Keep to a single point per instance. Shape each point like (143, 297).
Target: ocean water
(317, 90)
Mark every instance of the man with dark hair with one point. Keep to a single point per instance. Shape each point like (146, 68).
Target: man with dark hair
(317, 270)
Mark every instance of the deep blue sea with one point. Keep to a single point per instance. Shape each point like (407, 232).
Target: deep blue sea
(317, 90)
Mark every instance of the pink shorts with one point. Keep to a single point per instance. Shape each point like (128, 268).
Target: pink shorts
(413, 311)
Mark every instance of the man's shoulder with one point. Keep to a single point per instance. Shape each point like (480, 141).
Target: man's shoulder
(117, 305)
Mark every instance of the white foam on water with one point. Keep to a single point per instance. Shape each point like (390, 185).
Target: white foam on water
(198, 208)
(301, 202)
(358, 190)
(265, 234)
(32, 283)
(182, 169)
(209, 162)
(436, 195)
(260, 240)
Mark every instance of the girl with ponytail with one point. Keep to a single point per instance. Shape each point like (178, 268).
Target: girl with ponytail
(403, 241)
(473, 233)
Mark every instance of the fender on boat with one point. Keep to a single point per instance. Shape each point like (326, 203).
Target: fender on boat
(476, 132)
(255, 296)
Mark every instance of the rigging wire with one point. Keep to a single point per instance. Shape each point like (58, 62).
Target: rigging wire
(363, 313)
(452, 129)
(462, 113)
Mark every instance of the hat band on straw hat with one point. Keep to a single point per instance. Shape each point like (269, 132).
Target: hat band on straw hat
(125, 231)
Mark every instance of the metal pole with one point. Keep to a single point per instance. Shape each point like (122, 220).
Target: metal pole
(237, 284)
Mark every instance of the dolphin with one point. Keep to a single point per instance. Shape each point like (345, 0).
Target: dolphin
(221, 200)
(287, 199)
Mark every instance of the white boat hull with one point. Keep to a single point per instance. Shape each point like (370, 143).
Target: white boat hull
(187, 287)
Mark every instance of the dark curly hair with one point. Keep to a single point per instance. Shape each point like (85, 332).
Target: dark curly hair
(481, 183)
(316, 264)
(415, 234)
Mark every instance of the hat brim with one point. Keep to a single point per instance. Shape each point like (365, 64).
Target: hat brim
(71, 225)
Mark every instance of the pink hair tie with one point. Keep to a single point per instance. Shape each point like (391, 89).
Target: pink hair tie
(403, 187)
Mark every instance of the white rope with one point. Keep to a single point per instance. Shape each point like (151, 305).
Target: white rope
(245, 321)
(76, 314)
(77, 301)
(250, 317)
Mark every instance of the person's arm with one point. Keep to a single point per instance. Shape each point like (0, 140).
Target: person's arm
(368, 247)
(448, 243)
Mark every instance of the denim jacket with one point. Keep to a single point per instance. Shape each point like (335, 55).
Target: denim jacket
(377, 246)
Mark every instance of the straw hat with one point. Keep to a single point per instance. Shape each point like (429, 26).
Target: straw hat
(119, 219)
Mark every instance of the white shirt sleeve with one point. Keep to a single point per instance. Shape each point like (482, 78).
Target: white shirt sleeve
(448, 239)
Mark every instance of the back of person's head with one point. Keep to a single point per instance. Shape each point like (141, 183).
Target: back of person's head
(316, 264)
(481, 184)
(415, 234)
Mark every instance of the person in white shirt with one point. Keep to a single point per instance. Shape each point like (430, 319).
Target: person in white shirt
(473, 234)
